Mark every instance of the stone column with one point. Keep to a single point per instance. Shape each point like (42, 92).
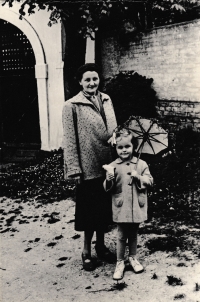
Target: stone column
(90, 50)
(41, 74)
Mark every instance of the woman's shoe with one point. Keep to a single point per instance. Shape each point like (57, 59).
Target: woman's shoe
(105, 254)
(88, 265)
(119, 270)
(137, 267)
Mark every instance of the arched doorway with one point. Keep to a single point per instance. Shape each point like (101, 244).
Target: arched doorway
(19, 114)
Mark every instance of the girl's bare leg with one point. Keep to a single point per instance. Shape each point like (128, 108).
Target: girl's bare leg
(121, 240)
(132, 239)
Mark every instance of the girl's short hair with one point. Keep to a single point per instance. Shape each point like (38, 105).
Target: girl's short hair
(87, 67)
(123, 132)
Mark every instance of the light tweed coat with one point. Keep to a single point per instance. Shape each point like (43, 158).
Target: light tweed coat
(85, 136)
(129, 203)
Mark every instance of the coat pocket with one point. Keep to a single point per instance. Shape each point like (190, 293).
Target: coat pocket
(118, 200)
(142, 199)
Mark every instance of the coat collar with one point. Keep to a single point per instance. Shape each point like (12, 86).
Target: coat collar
(133, 160)
(81, 99)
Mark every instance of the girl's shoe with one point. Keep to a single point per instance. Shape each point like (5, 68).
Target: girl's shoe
(88, 265)
(119, 270)
(137, 267)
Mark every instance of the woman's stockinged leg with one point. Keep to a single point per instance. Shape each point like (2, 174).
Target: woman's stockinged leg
(121, 241)
(132, 239)
(102, 251)
(100, 239)
(88, 264)
(87, 242)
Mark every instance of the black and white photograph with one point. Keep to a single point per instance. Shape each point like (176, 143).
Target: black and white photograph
(99, 150)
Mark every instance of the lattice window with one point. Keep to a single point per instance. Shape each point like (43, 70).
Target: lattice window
(16, 53)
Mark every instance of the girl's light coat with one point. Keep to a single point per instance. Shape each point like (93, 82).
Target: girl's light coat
(86, 135)
(129, 203)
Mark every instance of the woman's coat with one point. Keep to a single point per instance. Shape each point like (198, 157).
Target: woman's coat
(86, 135)
(129, 202)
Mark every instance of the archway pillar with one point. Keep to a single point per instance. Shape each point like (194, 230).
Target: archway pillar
(47, 47)
(90, 50)
(41, 74)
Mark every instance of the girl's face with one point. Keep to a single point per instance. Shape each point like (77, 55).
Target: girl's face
(90, 82)
(124, 148)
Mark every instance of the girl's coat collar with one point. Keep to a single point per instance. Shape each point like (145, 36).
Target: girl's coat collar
(133, 160)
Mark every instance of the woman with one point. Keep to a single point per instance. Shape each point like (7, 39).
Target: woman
(88, 122)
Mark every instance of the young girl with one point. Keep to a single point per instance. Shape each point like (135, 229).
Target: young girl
(127, 180)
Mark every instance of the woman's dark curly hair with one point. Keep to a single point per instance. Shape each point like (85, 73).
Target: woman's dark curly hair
(87, 67)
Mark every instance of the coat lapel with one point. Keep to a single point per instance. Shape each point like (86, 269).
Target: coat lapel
(110, 119)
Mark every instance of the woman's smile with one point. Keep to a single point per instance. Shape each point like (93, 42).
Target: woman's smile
(90, 82)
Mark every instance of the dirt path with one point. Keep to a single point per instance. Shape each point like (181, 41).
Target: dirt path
(40, 261)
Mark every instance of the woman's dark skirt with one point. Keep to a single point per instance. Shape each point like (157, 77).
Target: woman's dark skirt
(93, 206)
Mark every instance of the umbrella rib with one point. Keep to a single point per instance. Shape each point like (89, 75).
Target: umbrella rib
(143, 130)
(156, 140)
(136, 131)
(147, 139)
(146, 136)
(152, 133)
(142, 136)
(149, 128)
(141, 147)
(150, 144)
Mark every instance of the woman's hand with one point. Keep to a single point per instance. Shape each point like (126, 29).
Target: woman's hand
(76, 178)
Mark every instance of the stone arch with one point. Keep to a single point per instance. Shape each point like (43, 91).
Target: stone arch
(41, 70)
(27, 29)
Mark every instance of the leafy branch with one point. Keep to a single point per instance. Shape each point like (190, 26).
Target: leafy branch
(92, 15)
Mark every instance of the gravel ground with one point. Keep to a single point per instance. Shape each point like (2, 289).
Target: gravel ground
(41, 261)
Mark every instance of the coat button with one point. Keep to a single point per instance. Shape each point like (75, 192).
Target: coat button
(129, 173)
(128, 164)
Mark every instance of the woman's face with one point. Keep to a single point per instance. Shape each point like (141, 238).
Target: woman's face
(90, 82)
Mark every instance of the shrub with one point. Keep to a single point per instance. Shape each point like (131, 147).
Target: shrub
(43, 179)
(176, 190)
(132, 94)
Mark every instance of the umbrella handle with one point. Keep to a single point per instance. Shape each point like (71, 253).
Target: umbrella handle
(131, 180)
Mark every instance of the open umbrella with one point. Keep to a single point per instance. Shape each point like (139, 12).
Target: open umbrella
(151, 137)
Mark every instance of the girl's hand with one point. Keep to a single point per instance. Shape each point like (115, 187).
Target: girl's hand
(109, 176)
(134, 174)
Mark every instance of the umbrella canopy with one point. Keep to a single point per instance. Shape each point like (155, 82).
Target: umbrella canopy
(151, 137)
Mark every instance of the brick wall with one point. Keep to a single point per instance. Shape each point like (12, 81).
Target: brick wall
(179, 114)
(171, 56)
